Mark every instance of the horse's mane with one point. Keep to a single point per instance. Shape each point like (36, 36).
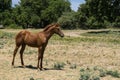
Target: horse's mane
(48, 26)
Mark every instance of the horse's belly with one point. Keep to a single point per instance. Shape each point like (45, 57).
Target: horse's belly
(32, 43)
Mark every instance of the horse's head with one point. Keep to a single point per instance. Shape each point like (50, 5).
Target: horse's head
(56, 29)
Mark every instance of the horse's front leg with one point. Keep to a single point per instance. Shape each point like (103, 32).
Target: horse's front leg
(39, 57)
(42, 53)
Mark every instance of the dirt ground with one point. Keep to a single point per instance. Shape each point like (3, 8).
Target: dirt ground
(82, 55)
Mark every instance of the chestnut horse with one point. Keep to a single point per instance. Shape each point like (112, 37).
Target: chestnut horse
(38, 40)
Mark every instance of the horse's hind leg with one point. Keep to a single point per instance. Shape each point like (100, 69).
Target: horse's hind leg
(21, 54)
(14, 54)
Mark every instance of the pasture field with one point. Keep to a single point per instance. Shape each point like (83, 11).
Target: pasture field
(80, 55)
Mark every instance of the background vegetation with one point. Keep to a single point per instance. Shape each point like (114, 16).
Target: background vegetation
(93, 14)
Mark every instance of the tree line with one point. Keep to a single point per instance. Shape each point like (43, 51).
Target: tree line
(93, 14)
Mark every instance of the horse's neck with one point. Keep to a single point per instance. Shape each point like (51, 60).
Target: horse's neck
(48, 34)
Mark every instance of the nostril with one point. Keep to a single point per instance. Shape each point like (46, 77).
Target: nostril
(62, 35)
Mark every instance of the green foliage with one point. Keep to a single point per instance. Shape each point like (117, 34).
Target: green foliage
(40, 13)
(96, 73)
(73, 66)
(93, 14)
(5, 18)
(113, 73)
(59, 66)
(35, 13)
(5, 35)
(31, 78)
(68, 20)
(85, 76)
(5, 8)
(117, 22)
(2, 43)
(102, 73)
(88, 74)
(81, 21)
(100, 13)
(5, 5)
(14, 26)
(107, 36)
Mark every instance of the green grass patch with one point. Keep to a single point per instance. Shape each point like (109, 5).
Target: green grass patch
(93, 36)
(2, 43)
(96, 73)
(109, 37)
(59, 65)
(68, 39)
(113, 73)
(108, 33)
(6, 35)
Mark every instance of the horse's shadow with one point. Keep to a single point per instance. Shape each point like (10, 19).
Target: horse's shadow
(35, 68)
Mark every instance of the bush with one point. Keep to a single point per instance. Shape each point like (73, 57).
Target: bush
(14, 26)
(59, 66)
(102, 73)
(114, 73)
(81, 21)
(84, 76)
(73, 66)
(68, 20)
(7, 21)
(97, 25)
(96, 73)
(107, 24)
(116, 24)
(92, 23)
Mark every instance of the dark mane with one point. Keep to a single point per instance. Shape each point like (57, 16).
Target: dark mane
(48, 26)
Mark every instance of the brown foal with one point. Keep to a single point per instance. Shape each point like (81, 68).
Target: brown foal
(38, 40)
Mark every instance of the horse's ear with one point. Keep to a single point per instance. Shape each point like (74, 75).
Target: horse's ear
(57, 25)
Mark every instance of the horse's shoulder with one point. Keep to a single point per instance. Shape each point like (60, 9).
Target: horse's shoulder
(42, 37)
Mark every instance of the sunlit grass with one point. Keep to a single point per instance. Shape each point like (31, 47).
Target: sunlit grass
(4, 34)
(92, 37)
(108, 37)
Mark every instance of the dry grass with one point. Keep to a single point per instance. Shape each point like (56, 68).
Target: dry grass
(76, 49)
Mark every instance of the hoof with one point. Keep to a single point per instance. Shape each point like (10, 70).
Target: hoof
(12, 66)
(23, 66)
(41, 69)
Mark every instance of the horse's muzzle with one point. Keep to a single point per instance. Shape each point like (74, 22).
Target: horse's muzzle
(62, 35)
